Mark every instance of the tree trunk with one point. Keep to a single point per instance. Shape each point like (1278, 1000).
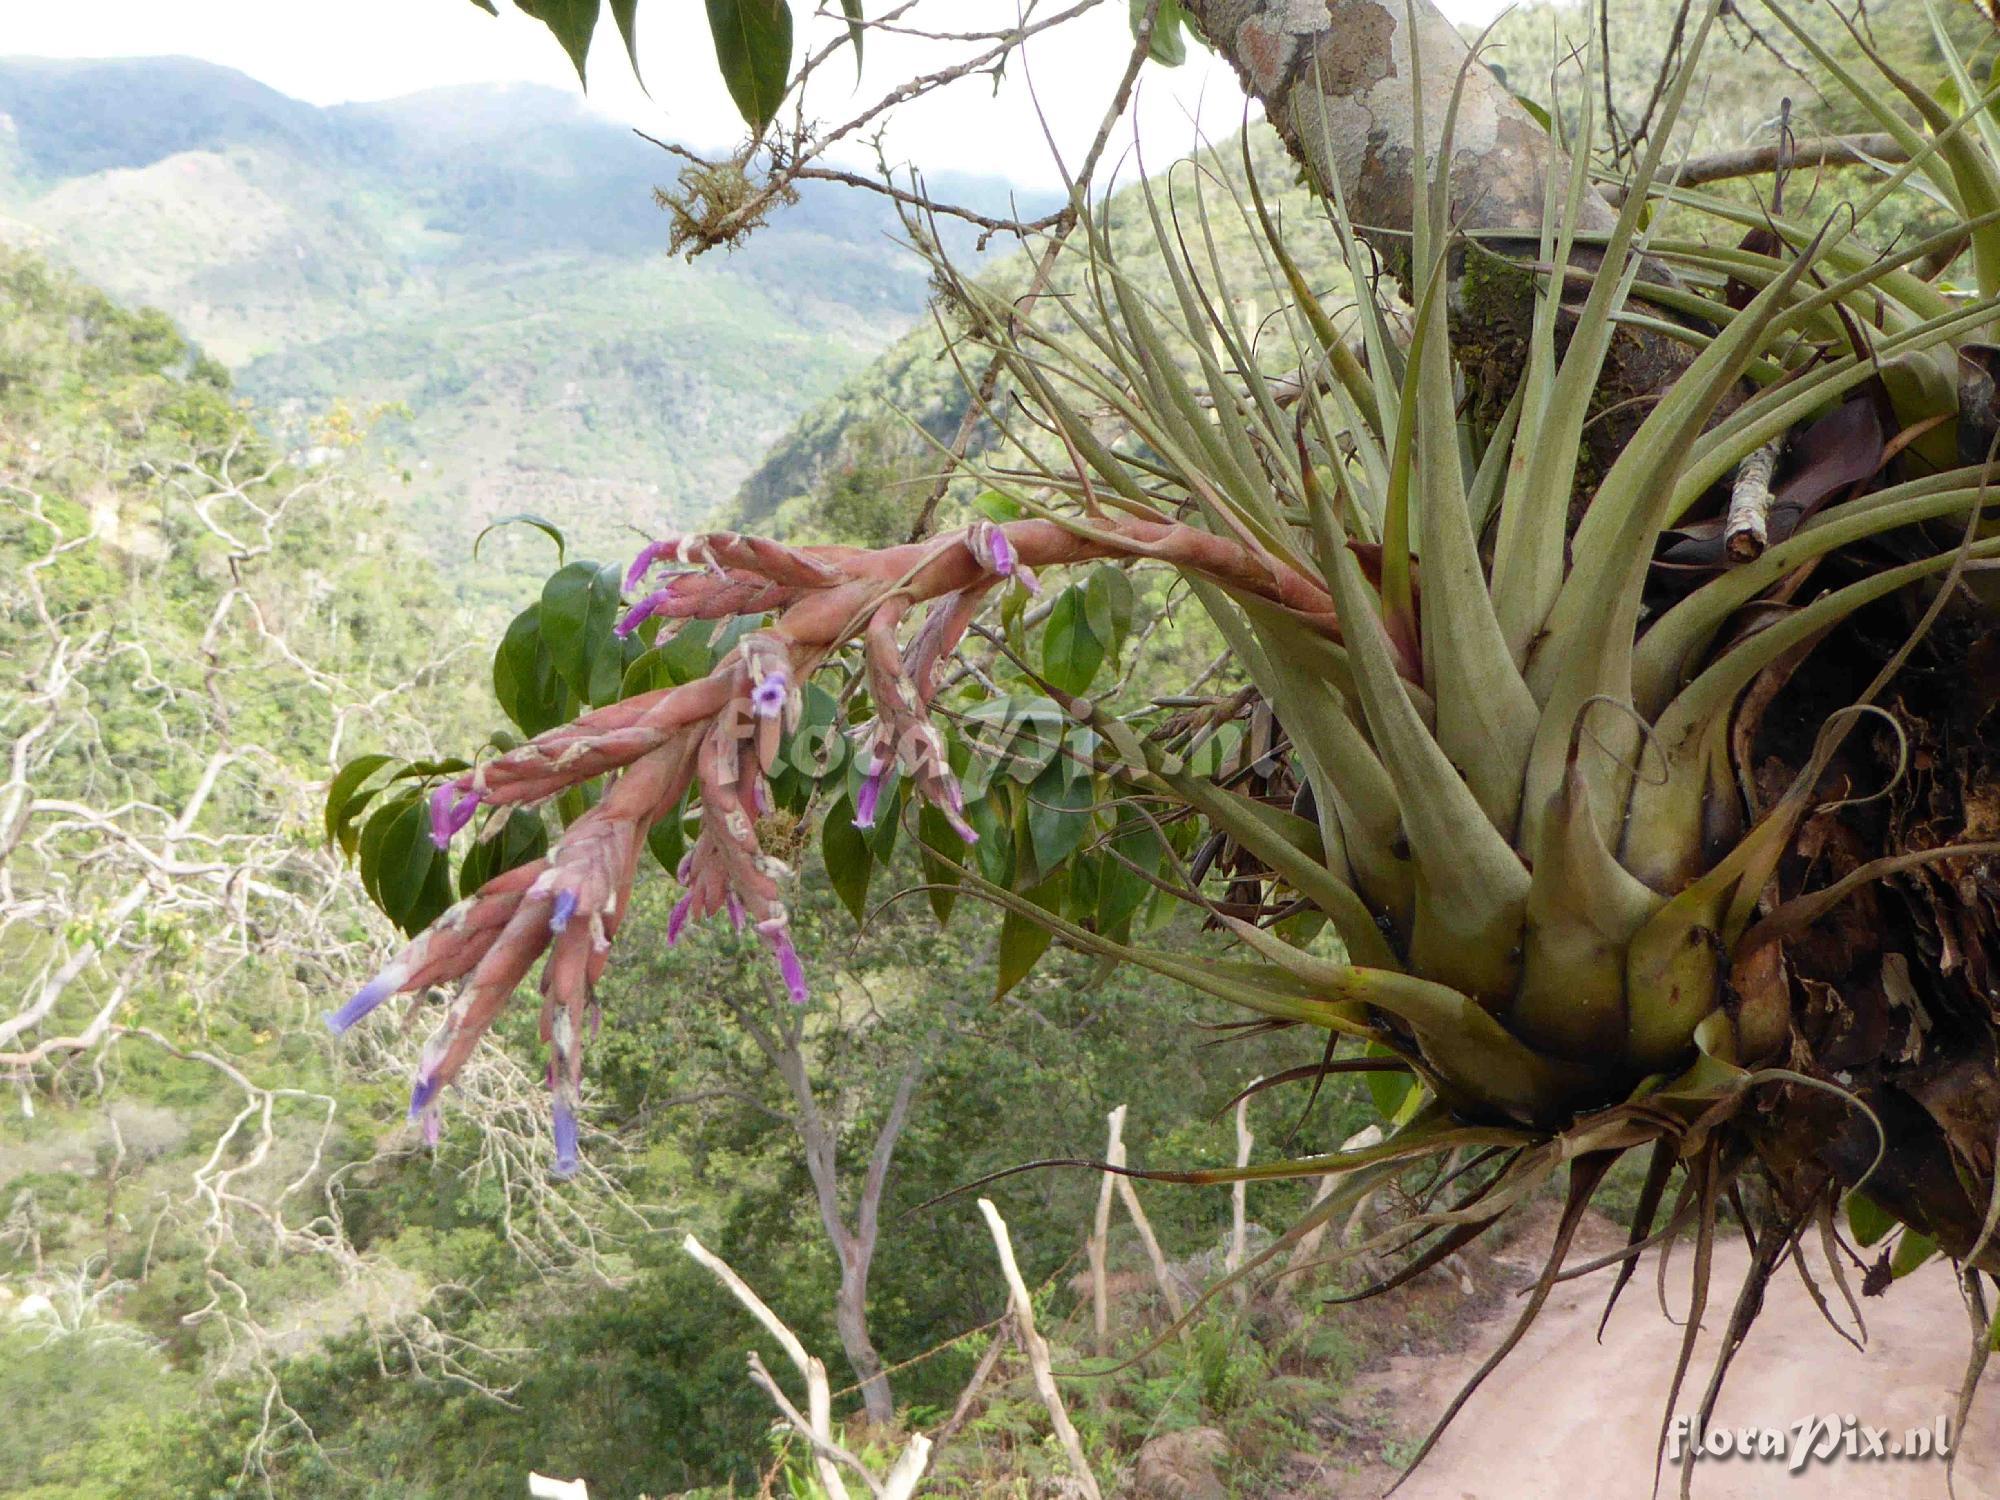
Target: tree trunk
(1335, 81)
(850, 1320)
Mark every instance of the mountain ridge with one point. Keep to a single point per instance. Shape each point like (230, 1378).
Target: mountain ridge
(481, 267)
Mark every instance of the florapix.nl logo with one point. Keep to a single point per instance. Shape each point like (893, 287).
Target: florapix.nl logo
(1828, 1438)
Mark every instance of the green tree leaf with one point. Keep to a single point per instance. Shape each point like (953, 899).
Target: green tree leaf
(667, 841)
(344, 799)
(849, 861)
(1022, 940)
(1058, 814)
(572, 21)
(579, 609)
(1108, 604)
(753, 50)
(525, 682)
(523, 837)
(855, 31)
(1071, 651)
(626, 14)
(405, 874)
(1122, 890)
(1912, 1250)
(942, 853)
(1389, 1090)
(1169, 45)
(1867, 1220)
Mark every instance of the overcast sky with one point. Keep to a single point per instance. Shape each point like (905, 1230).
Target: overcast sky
(330, 51)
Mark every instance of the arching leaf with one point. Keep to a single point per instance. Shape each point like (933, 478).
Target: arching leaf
(542, 524)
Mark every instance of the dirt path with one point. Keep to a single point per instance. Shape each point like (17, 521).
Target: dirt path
(1567, 1417)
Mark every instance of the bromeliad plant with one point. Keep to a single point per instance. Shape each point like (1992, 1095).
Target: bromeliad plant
(1564, 787)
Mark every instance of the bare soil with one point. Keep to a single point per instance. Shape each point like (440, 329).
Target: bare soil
(1567, 1416)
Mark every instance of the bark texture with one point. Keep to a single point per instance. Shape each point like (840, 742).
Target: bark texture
(1336, 80)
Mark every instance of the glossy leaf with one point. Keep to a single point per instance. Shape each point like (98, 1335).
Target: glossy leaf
(406, 875)
(579, 609)
(530, 691)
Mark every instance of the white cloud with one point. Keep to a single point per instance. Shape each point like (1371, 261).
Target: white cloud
(330, 51)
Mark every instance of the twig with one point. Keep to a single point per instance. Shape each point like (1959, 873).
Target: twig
(1100, 1300)
(818, 1428)
(1753, 161)
(1747, 529)
(1038, 1352)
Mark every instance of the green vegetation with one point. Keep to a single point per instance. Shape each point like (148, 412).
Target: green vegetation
(487, 263)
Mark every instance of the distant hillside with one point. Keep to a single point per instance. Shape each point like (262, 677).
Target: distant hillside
(489, 257)
(855, 467)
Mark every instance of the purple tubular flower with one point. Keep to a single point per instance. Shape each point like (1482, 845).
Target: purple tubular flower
(433, 1126)
(451, 810)
(640, 613)
(767, 698)
(779, 940)
(677, 919)
(565, 1122)
(1003, 552)
(868, 801)
(735, 911)
(370, 995)
(954, 811)
(649, 554)
(565, 908)
(423, 1094)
